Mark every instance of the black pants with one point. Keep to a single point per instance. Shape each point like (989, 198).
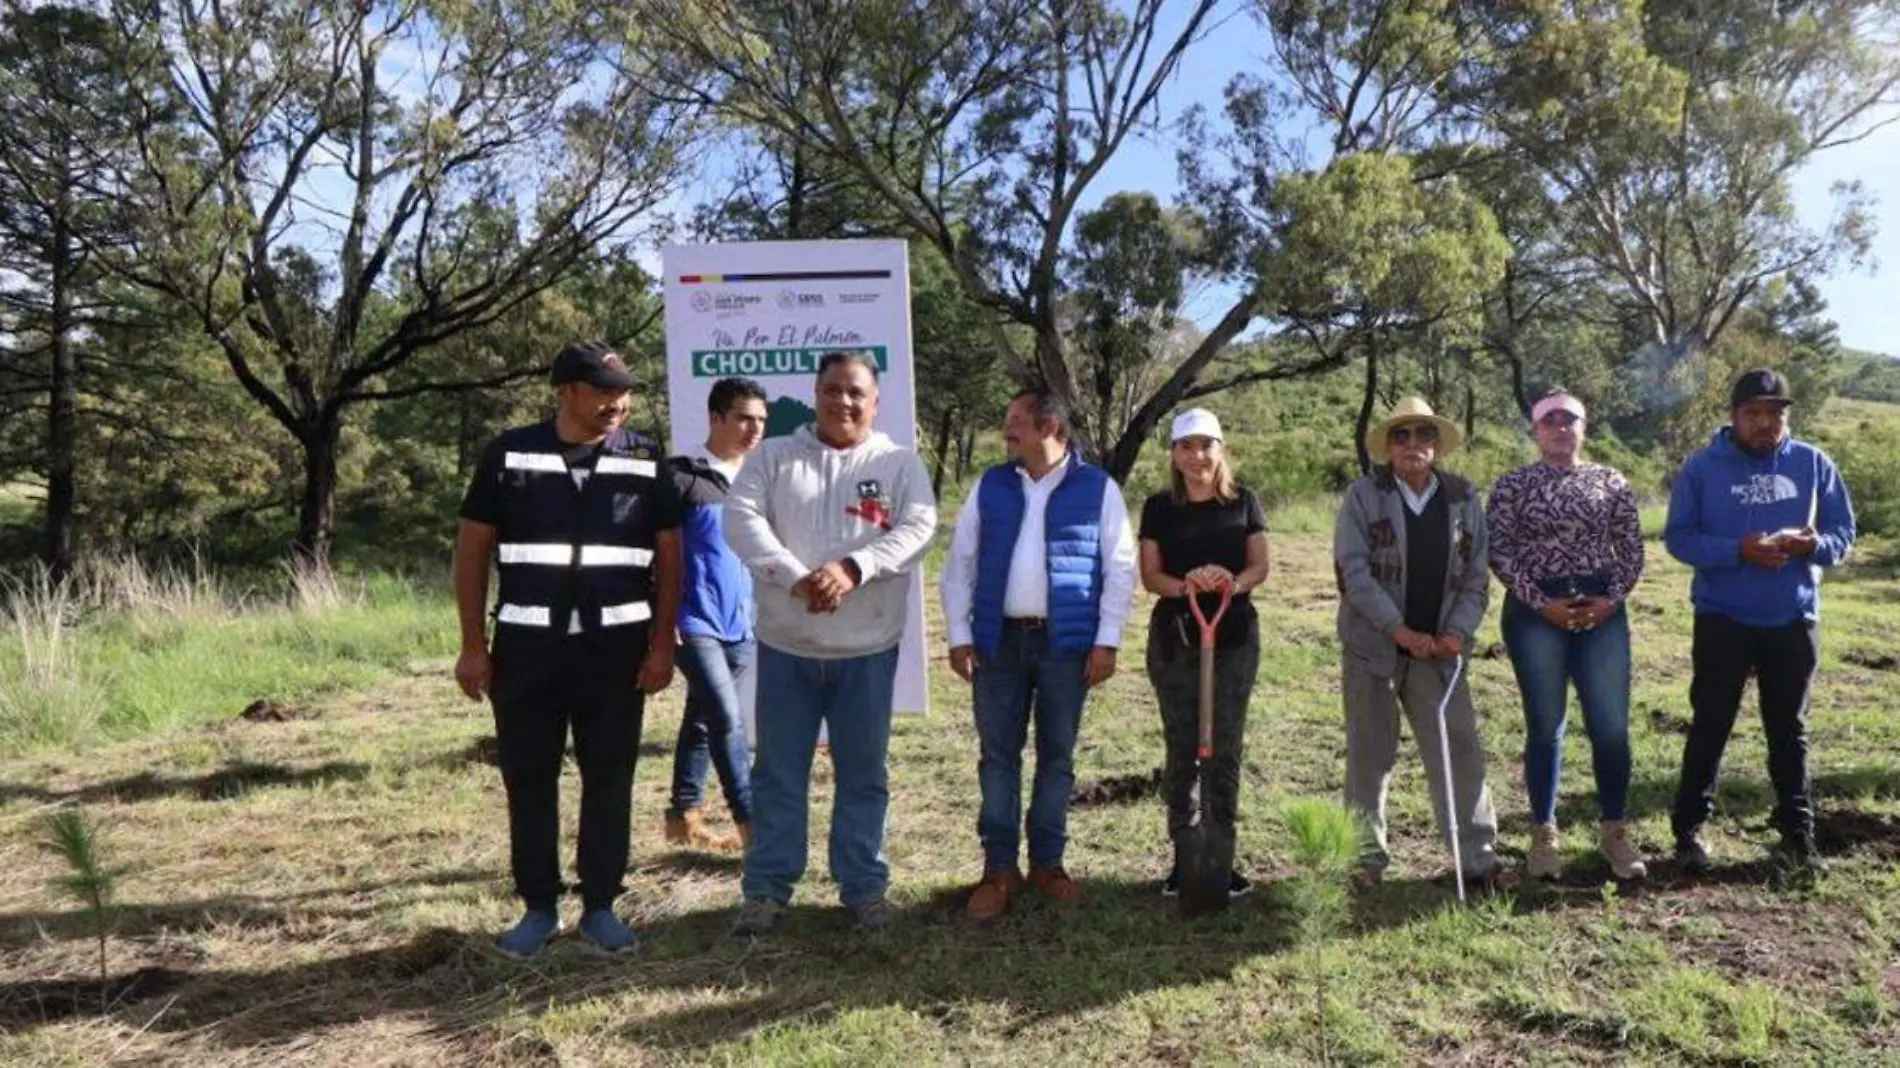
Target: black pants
(1784, 660)
(541, 688)
(1175, 670)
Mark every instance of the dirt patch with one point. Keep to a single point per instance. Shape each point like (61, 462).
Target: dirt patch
(269, 710)
(1495, 651)
(481, 751)
(1874, 661)
(1117, 790)
(1853, 831)
(1662, 721)
(44, 1001)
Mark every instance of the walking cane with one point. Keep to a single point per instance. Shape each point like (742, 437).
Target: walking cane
(1451, 794)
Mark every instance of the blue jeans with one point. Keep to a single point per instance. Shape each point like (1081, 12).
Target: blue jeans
(851, 697)
(1547, 658)
(712, 731)
(1025, 674)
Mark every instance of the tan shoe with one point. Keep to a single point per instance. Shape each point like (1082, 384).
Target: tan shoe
(1626, 861)
(679, 829)
(1055, 884)
(991, 897)
(1546, 859)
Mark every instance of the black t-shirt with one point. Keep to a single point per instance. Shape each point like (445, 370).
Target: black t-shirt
(1195, 534)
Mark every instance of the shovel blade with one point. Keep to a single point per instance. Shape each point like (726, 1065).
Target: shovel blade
(1207, 865)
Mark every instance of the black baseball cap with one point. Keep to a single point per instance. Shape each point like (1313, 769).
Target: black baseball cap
(593, 363)
(1759, 384)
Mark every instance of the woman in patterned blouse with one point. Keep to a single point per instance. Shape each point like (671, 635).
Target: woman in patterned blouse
(1568, 546)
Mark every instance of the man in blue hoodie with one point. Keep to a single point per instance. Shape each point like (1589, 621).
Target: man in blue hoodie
(1758, 515)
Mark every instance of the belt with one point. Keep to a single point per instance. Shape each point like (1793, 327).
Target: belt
(1025, 623)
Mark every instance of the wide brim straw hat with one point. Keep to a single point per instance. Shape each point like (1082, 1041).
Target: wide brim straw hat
(1408, 411)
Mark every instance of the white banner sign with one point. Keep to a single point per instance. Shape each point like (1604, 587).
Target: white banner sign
(768, 310)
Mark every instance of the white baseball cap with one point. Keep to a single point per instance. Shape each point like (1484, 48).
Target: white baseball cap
(1195, 422)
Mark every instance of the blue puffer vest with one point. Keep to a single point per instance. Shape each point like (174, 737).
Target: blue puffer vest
(1072, 533)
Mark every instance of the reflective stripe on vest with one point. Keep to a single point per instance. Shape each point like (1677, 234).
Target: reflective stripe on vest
(554, 554)
(535, 461)
(525, 615)
(622, 465)
(616, 615)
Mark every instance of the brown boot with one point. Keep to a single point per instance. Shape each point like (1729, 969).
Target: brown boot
(679, 829)
(991, 897)
(722, 841)
(1055, 884)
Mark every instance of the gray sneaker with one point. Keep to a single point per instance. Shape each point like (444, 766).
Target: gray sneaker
(1546, 860)
(874, 915)
(757, 917)
(1692, 853)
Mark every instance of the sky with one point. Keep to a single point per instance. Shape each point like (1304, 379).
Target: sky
(1864, 302)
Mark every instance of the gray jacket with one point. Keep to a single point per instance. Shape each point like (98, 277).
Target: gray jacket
(800, 504)
(1369, 566)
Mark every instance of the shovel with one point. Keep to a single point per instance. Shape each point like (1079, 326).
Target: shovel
(1206, 849)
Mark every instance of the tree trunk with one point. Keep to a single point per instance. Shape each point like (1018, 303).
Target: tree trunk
(1364, 422)
(316, 513)
(1471, 409)
(965, 450)
(946, 423)
(63, 410)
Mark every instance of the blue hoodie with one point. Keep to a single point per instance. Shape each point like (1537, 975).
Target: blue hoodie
(1723, 494)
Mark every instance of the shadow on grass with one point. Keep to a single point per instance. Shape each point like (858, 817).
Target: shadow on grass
(134, 920)
(1039, 962)
(233, 780)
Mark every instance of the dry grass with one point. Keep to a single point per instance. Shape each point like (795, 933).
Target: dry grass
(326, 889)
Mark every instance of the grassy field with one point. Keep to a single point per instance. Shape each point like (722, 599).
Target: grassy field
(323, 890)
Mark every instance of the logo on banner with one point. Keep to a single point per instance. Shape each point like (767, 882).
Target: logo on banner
(872, 506)
(792, 300)
(704, 301)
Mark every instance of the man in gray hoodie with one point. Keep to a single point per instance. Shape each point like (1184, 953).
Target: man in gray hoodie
(830, 520)
(1409, 555)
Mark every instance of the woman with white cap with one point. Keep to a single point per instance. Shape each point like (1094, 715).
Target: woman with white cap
(1207, 531)
(1568, 547)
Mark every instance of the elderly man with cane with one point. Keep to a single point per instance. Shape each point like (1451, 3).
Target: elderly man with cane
(1409, 557)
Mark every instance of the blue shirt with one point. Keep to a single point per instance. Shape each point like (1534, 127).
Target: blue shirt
(716, 589)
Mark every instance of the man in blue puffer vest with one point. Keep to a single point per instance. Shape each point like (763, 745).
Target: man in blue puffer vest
(1758, 514)
(1040, 579)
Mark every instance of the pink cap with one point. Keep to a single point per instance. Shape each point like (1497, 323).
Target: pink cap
(1556, 402)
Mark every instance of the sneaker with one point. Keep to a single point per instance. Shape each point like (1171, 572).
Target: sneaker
(757, 917)
(874, 915)
(992, 896)
(1797, 852)
(1626, 861)
(1238, 885)
(1171, 886)
(1498, 879)
(534, 930)
(1546, 856)
(679, 826)
(606, 932)
(1055, 884)
(1692, 853)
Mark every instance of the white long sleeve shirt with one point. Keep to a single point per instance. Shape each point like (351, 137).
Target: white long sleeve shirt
(1027, 591)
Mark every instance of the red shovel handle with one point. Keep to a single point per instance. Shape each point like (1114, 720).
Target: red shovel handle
(1205, 750)
(1208, 625)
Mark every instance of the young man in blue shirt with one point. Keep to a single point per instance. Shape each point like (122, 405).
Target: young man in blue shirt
(716, 646)
(1758, 514)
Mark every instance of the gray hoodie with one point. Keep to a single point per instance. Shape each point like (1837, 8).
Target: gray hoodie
(800, 504)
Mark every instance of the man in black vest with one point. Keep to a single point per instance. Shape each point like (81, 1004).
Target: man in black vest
(583, 521)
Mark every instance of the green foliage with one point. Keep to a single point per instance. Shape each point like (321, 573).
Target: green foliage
(1865, 451)
(1324, 837)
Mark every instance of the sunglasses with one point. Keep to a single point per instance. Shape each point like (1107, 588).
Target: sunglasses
(1560, 418)
(1424, 434)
